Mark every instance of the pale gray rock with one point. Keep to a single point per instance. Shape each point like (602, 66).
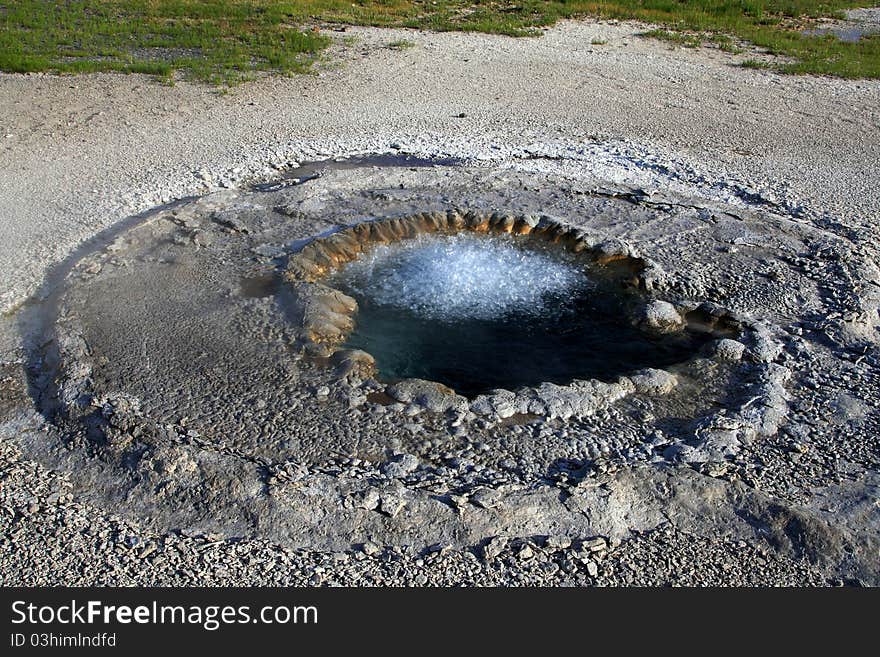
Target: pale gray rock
(662, 317)
(428, 394)
(654, 382)
(400, 466)
(729, 350)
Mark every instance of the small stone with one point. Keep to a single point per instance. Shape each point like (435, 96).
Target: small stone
(391, 505)
(370, 549)
(654, 382)
(400, 466)
(147, 551)
(369, 500)
(482, 405)
(557, 542)
(430, 395)
(460, 502)
(729, 350)
(353, 362)
(714, 469)
(505, 410)
(494, 547)
(661, 316)
(487, 498)
(597, 544)
(592, 568)
(766, 348)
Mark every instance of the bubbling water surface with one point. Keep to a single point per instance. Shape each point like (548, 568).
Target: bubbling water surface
(480, 312)
(465, 276)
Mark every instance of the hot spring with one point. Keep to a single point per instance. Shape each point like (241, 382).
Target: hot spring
(479, 312)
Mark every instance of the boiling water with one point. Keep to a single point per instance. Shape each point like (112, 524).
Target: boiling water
(478, 312)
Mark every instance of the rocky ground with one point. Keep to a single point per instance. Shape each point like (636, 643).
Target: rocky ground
(162, 423)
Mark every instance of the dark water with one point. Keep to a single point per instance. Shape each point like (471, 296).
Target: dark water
(847, 34)
(586, 337)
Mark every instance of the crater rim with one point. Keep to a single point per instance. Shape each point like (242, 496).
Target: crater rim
(326, 314)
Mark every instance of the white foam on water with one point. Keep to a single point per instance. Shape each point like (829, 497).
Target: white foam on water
(465, 276)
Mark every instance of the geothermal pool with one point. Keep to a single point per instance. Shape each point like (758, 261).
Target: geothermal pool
(478, 313)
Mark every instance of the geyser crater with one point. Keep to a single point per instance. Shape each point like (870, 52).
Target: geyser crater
(480, 302)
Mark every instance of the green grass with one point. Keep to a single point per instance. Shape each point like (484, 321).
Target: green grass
(684, 39)
(226, 41)
(217, 41)
(695, 39)
(401, 44)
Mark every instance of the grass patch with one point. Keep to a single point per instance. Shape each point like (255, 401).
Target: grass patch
(226, 41)
(401, 44)
(695, 39)
(683, 39)
(216, 41)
